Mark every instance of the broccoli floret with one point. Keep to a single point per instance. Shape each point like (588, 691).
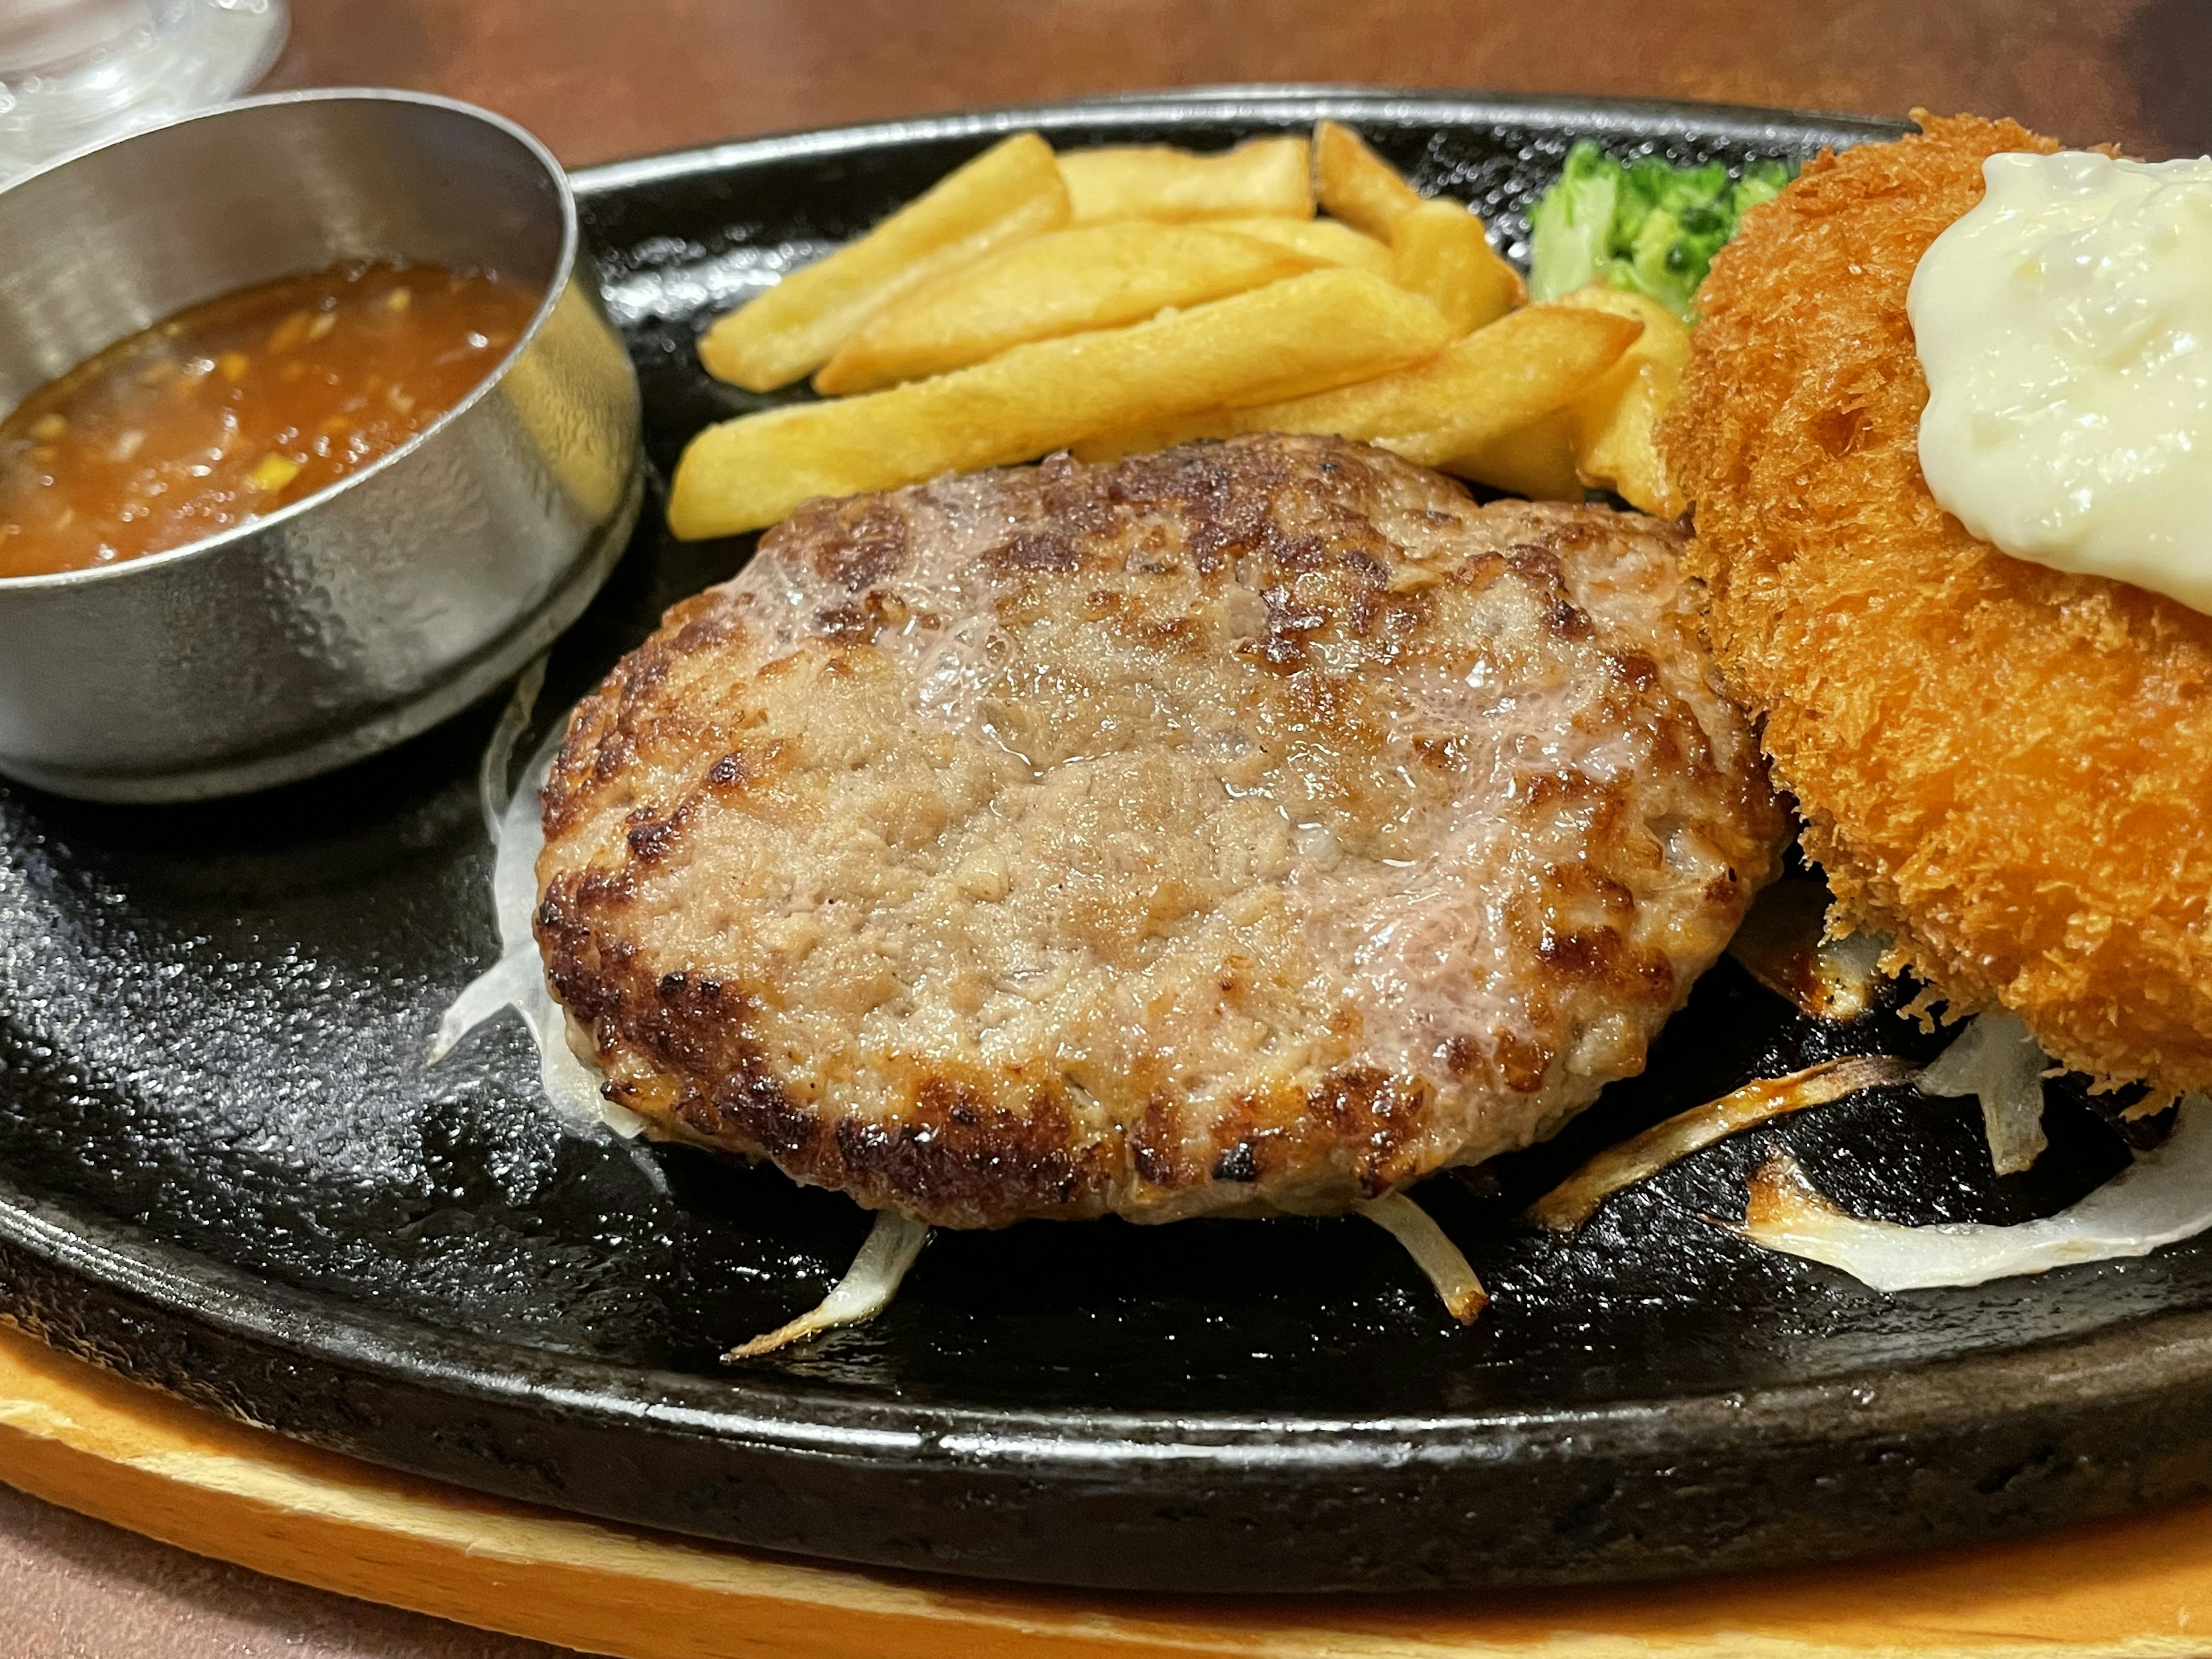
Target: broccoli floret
(1571, 230)
(1649, 226)
(1656, 186)
(1762, 181)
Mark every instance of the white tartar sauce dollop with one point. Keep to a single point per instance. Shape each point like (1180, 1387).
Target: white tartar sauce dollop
(2065, 327)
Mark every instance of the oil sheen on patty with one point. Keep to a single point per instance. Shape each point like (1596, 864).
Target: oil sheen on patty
(1255, 826)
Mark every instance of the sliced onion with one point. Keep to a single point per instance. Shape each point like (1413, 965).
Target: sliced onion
(2163, 1197)
(517, 980)
(494, 793)
(1575, 1200)
(866, 1289)
(1784, 944)
(1433, 1252)
(1995, 1060)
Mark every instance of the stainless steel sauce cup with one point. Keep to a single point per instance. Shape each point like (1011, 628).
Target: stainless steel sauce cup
(367, 611)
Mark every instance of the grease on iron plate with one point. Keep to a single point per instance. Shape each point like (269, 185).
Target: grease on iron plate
(1255, 827)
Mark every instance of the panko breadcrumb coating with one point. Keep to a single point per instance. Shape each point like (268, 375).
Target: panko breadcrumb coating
(2002, 767)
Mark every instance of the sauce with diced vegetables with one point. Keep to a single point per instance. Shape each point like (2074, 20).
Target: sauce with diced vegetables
(234, 408)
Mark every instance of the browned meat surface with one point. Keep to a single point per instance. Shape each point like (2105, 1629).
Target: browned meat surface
(1255, 826)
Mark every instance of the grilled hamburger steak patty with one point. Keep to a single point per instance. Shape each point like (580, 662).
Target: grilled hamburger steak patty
(1253, 826)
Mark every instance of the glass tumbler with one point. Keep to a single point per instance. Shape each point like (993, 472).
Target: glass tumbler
(73, 72)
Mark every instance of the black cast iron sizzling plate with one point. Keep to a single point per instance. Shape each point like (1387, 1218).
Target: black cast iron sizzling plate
(223, 1169)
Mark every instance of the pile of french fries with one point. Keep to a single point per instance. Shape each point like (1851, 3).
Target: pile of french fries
(1116, 300)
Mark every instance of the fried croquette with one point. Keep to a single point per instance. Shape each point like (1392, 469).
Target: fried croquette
(1999, 765)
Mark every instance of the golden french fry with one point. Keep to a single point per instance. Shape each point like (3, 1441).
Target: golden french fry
(1479, 389)
(1537, 461)
(1259, 176)
(1526, 364)
(1443, 255)
(1163, 433)
(1011, 192)
(1356, 184)
(1322, 239)
(1067, 282)
(1321, 329)
(1616, 420)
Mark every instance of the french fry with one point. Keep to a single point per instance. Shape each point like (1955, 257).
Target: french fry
(1067, 282)
(1357, 185)
(1482, 387)
(1322, 239)
(1526, 364)
(1259, 176)
(1442, 254)
(1438, 248)
(1537, 461)
(1323, 329)
(1163, 433)
(1616, 420)
(1011, 192)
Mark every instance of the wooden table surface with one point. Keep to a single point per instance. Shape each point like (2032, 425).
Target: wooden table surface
(604, 78)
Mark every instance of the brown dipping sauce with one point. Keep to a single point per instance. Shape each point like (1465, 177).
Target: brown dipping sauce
(246, 404)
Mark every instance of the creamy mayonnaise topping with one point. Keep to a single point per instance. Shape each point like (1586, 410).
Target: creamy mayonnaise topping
(2065, 326)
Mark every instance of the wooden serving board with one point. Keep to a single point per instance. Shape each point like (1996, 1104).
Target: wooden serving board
(83, 1438)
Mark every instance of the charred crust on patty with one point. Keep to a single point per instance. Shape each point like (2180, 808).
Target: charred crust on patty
(1214, 830)
(853, 542)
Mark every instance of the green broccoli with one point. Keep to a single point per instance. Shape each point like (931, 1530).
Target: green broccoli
(1647, 225)
(1571, 227)
(1762, 181)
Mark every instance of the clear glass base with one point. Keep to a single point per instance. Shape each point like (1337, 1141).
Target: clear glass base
(74, 72)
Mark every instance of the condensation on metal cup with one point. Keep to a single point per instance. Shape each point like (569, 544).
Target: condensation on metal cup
(366, 612)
